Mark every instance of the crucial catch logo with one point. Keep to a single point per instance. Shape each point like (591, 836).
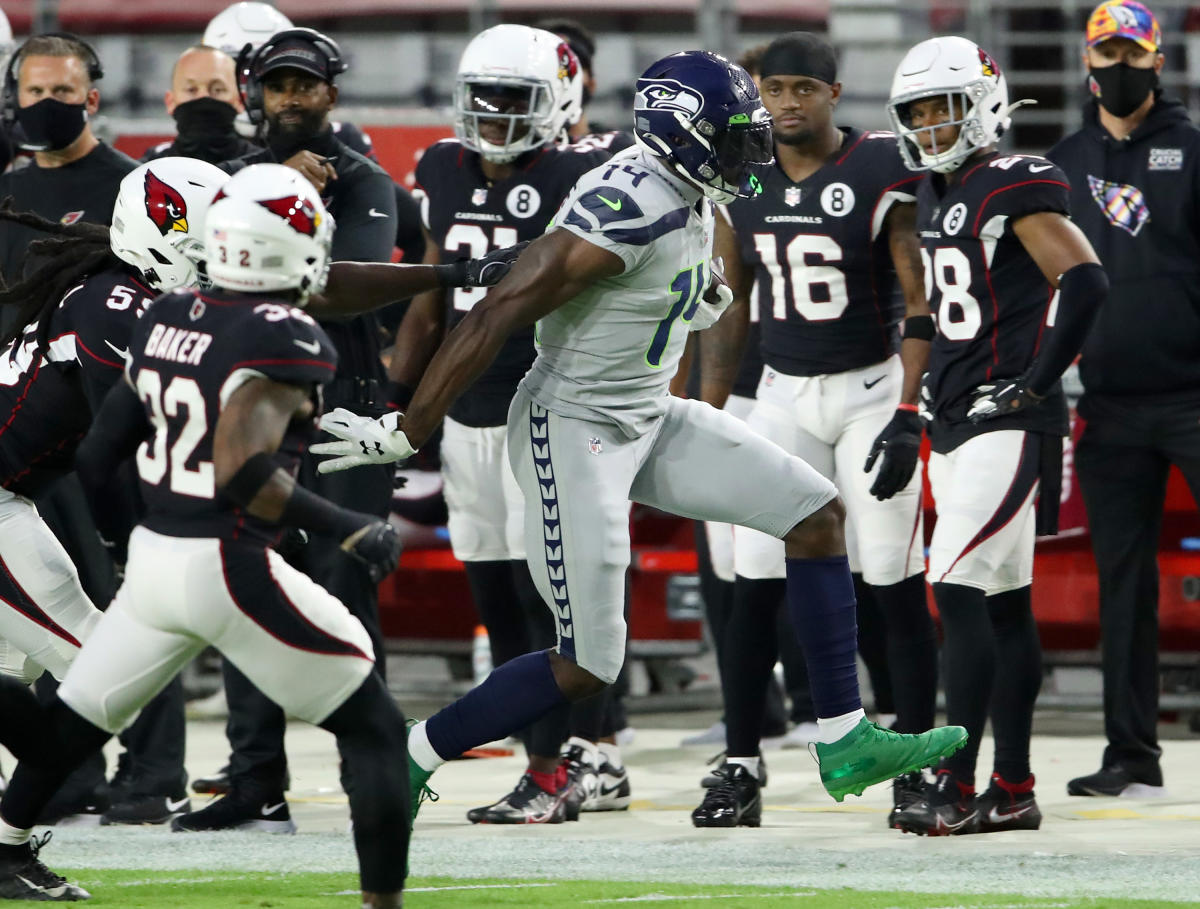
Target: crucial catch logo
(668, 94)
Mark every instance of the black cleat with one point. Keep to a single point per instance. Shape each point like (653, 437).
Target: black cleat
(1008, 806)
(948, 808)
(24, 877)
(733, 802)
(217, 784)
(1114, 781)
(146, 809)
(907, 789)
(238, 811)
(714, 778)
(581, 778)
(529, 803)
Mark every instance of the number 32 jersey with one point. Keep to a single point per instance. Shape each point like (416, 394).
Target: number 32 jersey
(989, 298)
(467, 215)
(828, 297)
(189, 354)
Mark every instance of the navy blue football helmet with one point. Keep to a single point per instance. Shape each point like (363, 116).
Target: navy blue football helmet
(701, 114)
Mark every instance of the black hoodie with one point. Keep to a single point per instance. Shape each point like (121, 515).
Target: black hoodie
(1138, 202)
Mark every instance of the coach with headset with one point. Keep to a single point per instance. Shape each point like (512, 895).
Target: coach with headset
(287, 83)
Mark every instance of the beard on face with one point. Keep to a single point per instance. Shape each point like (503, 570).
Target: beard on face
(307, 124)
(801, 136)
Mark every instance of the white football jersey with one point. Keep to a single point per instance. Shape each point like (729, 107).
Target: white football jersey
(609, 354)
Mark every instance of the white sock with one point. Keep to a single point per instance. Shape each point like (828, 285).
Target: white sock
(590, 755)
(750, 763)
(421, 751)
(835, 727)
(611, 753)
(13, 836)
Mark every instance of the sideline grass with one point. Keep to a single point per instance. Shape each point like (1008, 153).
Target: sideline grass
(250, 890)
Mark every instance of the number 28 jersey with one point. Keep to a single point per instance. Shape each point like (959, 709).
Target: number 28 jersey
(989, 298)
(468, 215)
(827, 292)
(188, 355)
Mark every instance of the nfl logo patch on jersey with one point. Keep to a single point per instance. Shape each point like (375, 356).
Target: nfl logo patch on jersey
(595, 446)
(479, 197)
(791, 196)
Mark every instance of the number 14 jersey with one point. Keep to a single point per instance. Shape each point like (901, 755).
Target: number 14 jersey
(990, 300)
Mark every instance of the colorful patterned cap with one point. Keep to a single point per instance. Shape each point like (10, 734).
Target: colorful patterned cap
(1124, 19)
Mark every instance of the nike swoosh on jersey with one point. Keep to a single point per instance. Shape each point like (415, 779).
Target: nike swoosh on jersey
(313, 347)
(122, 352)
(271, 809)
(376, 213)
(1038, 168)
(615, 206)
(873, 382)
(173, 805)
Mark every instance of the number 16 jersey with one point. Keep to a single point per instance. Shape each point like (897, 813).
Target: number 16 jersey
(989, 298)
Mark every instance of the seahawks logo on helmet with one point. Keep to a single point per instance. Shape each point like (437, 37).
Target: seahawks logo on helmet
(668, 94)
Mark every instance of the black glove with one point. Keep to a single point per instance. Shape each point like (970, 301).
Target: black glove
(900, 445)
(482, 272)
(377, 545)
(998, 399)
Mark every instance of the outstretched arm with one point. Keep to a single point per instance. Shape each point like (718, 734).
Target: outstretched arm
(554, 269)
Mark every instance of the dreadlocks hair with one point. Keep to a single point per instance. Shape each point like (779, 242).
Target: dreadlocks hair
(72, 253)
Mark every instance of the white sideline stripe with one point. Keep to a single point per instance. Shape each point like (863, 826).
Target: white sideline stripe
(667, 897)
(465, 887)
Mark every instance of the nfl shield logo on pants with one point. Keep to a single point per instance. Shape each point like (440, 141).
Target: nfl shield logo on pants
(791, 196)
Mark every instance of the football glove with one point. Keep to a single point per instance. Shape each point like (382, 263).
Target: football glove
(363, 440)
(900, 445)
(998, 399)
(715, 301)
(486, 270)
(377, 545)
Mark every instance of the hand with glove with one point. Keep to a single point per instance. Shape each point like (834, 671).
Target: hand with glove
(377, 545)
(482, 272)
(363, 440)
(900, 445)
(998, 399)
(715, 301)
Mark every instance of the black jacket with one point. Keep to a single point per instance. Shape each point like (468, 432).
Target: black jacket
(362, 201)
(1138, 202)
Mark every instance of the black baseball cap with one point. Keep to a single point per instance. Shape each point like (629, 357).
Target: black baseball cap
(315, 54)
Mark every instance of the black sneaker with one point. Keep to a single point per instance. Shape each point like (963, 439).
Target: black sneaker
(529, 803)
(907, 789)
(733, 802)
(146, 809)
(120, 787)
(217, 784)
(238, 812)
(947, 808)
(24, 877)
(1008, 806)
(715, 777)
(1116, 780)
(79, 811)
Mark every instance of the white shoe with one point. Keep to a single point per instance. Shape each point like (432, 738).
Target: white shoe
(802, 735)
(625, 736)
(713, 735)
(611, 792)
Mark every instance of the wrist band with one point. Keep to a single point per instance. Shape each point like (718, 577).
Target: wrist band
(908, 408)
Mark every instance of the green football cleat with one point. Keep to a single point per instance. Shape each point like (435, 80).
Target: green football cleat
(418, 791)
(870, 754)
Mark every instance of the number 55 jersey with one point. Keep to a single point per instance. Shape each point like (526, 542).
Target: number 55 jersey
(990, 299)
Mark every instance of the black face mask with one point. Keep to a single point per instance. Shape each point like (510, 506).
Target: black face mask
(204, 117)
(50, 125)
(1121, 89)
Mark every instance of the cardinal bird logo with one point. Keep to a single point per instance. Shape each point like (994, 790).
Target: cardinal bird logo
(568, 63)
(165, 206)
(300, 214)
(986, 64)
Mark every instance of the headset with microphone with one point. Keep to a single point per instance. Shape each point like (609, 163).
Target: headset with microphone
(250, 60)
(9, 104)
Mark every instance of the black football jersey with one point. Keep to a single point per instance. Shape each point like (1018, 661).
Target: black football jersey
(468, 216)
(828, 297)
(47, 401)
(187, 356)
(989, 298)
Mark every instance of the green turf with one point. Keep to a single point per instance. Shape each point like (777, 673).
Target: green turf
(231, 890)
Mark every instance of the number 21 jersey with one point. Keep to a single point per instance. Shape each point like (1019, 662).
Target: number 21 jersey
(988, 296)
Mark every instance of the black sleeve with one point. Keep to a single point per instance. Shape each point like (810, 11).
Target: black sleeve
(409, 239)
(1081, 292)
(1034, 185)
(366, 219)
(118, 429)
